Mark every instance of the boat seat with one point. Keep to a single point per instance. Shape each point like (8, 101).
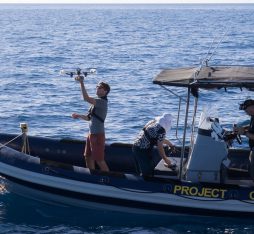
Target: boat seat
(234, 170)
(162, 171)
(165, 174)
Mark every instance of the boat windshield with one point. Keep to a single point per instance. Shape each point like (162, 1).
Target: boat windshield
(208, 113)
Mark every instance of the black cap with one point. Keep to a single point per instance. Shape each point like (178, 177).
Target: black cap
(246, 104)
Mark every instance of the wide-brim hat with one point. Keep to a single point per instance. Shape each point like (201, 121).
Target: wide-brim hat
(165, 121)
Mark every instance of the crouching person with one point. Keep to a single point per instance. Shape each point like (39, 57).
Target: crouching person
(154, 133)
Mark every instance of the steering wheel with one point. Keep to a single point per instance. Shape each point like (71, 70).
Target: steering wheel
(230, 136)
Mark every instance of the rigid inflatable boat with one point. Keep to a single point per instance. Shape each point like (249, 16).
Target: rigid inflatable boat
(212, 177)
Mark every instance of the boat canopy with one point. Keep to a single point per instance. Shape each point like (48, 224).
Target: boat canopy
(208, 77)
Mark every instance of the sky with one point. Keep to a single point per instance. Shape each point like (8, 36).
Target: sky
(124, 1)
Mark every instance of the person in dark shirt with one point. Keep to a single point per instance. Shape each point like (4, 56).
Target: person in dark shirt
(248, 130)
(153, 134)
(95, 142)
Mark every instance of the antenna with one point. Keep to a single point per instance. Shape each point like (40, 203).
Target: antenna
(214, 48)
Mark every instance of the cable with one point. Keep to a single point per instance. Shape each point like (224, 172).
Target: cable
(3, 145)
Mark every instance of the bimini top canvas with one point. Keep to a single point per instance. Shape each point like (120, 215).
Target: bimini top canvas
(208, 77)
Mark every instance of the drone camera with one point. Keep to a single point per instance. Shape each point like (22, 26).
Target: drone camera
(78, 71)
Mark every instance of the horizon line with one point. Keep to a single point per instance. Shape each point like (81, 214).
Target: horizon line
(124, 3)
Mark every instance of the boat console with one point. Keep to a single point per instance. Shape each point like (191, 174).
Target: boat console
(209, 155)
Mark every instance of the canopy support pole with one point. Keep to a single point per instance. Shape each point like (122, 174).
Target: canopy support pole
(184, 132)
(193, 121)
(179, 109)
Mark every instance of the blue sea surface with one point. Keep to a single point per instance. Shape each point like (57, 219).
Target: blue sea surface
(129, 45)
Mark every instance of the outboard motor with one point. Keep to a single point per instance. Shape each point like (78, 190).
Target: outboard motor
(208, 152)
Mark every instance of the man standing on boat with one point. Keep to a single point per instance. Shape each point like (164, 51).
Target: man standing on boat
(152, 134)
(95, 143)
(248, 131)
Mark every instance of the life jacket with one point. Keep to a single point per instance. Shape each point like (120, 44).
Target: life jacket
(91, 112)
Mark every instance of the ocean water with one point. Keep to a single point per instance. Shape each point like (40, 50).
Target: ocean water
(129, 45)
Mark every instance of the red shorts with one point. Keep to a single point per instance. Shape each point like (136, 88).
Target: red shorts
(95, 145)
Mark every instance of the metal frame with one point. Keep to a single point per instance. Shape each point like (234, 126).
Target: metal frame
(183, 140)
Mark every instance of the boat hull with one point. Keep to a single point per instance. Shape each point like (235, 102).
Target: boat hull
(160, 204)
(68, 185)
